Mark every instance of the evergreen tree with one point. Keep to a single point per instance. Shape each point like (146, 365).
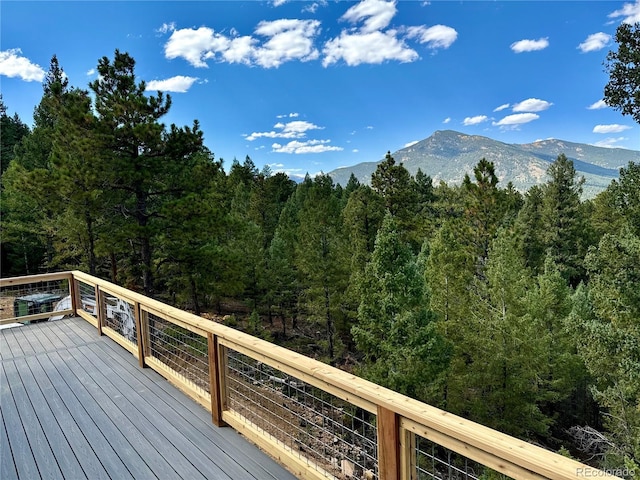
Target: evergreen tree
(609, 340)
(320, 256)
(75, 159)
(393, 182)
(282, 288)
(191, 247)
(31, 193)
(146, 162)
(622, 92)
(529, 229)
(625, 194)
(396, 331)
(13, 130)
(483, 211)
(563, 223)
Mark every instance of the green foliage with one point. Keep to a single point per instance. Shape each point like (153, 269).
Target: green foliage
(13, 130)
(396, 330)
(622, 92)
(484, 322)
(320, 256)
(145, 165)
(564, 225)
(529, 230)
(609, 336)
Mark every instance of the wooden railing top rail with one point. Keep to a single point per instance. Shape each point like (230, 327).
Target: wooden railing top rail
(536, 460)
(45, 277)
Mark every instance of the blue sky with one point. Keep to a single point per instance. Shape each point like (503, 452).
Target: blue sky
(311, 86)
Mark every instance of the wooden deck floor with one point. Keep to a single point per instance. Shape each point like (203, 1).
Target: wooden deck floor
(75, 405)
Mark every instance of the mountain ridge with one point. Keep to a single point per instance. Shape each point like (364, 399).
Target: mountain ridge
(448, 155)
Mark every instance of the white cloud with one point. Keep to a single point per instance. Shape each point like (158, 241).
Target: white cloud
(374, 48)
(178, 84)
(598, 105)
(531, 105)
(285, 40)
(410, 144)
(13, 64)
(310, 146)
(355, 150)
(289, 39)
(195, 45)
(474, 120)
(277, 3)
(290, 115)
(594, 42)
(446, 120)
(372, 42)
(610, 142)
(295, 129)
(377, 14)
(530, 45)
(513, 121)
(369, 127)
(613, 128)
(91, 71)
(630, 12)
(239, 50)
(504, 106)
(438, 36)
(167, 27)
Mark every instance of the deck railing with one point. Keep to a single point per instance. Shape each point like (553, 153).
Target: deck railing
(319, 421)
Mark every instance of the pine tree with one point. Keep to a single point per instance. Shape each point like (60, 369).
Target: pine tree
(622, 92)
(609, 340)
(393, 182)
(529, 229)
(396, 331)
(30, 188)
(320, 256)
(147, 163)
(13, 130)
(563, 222)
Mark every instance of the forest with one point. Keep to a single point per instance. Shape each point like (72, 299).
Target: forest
(518, 311)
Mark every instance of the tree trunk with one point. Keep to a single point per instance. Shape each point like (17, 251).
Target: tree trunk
(194, 295)
(329, 321)
(91, 250)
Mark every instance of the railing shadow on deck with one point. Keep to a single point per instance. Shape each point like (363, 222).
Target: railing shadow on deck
(318, 421)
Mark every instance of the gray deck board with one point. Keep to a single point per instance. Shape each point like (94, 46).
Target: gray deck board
(75, 405)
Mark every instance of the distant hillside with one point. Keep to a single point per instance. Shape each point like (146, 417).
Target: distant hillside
(448, 155)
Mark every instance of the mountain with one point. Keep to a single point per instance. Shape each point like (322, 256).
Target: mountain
(448, 155)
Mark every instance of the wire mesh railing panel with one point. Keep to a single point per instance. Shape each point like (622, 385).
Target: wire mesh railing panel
(32, 298)
(330, 434)
(433, 461)
(87, 294)
(118, 315)
(183, 351)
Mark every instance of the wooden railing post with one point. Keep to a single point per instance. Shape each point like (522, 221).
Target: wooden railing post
(73, 294)
(100, 309)
(388, 444)
(217, 379)
(408, 469)
(141, 337)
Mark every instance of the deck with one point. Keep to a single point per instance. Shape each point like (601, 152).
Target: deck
(76, 405)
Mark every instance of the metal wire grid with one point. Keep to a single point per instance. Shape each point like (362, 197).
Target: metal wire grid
(434, 461)
(118, 315)
(87, 298)
(9, 294)
(327, 432)
(183, 351)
